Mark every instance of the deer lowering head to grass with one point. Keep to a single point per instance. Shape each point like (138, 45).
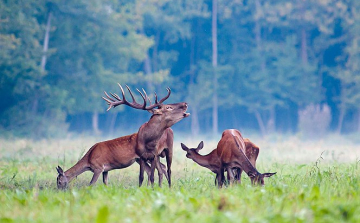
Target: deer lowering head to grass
(233, 154)
(149, 134)
(210, 161)
(231, 151)
(113, 154)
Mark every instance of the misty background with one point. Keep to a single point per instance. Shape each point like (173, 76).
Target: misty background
(288, 67)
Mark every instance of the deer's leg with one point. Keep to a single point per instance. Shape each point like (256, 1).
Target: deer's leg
(160, 173)
(105, 177)
(160, 169)
(230, 175)
(148, 171)
(169, 155)
(96, 175)
(238, 175)
(220, 177)
(141, 174)
(153, 166)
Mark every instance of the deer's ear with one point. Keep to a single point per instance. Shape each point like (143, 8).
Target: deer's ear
(155, 111)
(268, 174)
(184, 147)
(200, 146)
(60, 170)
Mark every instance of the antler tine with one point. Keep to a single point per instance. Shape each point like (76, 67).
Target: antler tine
(109, 98)
(109, 101)
(167, 96)
(147, 97)
(115, 96)
(132, 96)
(115, 100)
(122, 92)
(144, 105)
(156, 101)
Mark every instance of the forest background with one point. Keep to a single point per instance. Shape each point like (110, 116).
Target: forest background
(288, 67)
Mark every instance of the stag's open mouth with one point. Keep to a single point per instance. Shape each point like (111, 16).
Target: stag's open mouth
(186, 115)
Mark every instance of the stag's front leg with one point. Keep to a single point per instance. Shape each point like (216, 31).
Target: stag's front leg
(161, 170)
(153, 166)
(142, 169)
(169, 155)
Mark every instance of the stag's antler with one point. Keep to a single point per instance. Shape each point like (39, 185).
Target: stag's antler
(115, 99)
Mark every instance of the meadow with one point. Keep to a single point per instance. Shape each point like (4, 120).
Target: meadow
(316, 181)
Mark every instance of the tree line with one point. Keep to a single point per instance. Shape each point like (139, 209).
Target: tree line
(270, 66)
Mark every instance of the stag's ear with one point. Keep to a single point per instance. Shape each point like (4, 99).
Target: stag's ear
(155, 111)
(184, 147)
(268, 174)
(60, 170)
(200, 146)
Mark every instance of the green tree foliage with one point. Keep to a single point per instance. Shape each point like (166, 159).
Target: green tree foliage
(272, 59)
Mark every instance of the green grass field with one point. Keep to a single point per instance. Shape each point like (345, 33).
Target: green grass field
(316, 181)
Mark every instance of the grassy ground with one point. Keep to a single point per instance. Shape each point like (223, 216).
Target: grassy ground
(316, 181)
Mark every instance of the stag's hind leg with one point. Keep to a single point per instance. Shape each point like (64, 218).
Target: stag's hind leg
(105, 177)
(95, 177)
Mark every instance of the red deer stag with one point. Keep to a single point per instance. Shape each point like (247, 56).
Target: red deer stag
(112, 154)
(229, 155)
(149, 134)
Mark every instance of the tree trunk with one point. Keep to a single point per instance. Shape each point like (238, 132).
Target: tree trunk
(148, 72)
(341, 120)
(271, 121)
(195, 128)
(46, 42)
(304, 55)
(112, 123)
(214, 64)
(258, 35)
(155, 52)
(95, 123)
(260, 122)
(358, 121)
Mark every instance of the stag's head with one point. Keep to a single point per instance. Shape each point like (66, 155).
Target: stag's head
(190, 152)
(169, 114)
(61, 181)
(258, 178)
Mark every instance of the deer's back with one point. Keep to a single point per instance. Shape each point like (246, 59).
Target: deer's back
(251, 151)
(227, 147)
(115, 153)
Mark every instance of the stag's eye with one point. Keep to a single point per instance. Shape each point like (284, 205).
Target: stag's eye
(169, 108)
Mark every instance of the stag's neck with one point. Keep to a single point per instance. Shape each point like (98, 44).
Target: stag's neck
(151, 131)
(245, 163)
(77, 169)
(209, 161)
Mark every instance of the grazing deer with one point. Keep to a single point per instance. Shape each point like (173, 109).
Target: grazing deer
(113, 154)
(229, 155)
(252, 153)
(149, 134)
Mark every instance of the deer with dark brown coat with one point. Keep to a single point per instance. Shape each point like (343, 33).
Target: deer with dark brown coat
(154, 138)
(229, 155)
